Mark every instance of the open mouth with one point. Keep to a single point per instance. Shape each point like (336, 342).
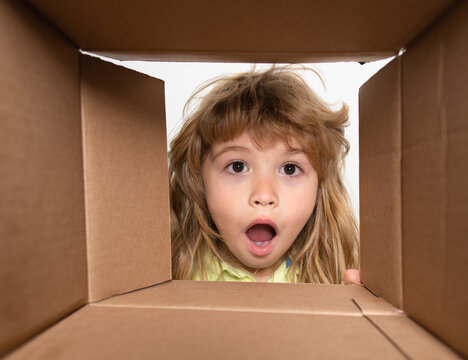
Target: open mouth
(261, 234)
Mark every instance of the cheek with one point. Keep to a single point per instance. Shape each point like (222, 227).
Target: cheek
(305, 208)
(223, 202)
(300, 204)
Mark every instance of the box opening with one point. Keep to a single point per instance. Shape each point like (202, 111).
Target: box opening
(342, 81)
(415, 103)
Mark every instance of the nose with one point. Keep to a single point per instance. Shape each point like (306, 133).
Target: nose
(263, 191)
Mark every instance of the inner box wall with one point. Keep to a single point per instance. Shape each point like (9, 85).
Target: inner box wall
(43, 274)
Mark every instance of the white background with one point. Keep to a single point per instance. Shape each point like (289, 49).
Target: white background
(342, 82)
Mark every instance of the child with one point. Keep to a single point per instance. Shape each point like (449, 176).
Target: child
(256, 186)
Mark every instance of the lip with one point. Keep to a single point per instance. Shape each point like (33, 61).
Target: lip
(261, 251)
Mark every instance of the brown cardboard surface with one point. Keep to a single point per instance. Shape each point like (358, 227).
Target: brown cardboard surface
(101, 332)
(243, 30)
(416, 342)
(42, 260)
(126, 179)
(435, 179)
(380, 183)
(42, 223)
(257, 297)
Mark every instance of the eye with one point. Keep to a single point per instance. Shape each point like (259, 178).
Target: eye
(237, 167)
(290, 169)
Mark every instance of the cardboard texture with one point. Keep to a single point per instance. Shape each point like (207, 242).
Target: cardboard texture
(85, 217)
(262, 297)
(125, 169)
(198, 320)
(42, 232)
(435, 179)
(380, 183)
(243, 30)
(412, 339)
(98, 332)
(43, 250)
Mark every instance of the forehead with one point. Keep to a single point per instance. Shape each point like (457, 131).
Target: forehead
(247, 142)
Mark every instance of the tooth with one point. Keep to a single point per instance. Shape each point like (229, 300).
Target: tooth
(262, 243)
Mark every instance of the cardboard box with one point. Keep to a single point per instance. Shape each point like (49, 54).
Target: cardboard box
(85, 244)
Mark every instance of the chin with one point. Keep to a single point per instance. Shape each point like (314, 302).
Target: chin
(262, 264)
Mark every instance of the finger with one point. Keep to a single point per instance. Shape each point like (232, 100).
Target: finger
(352, 275)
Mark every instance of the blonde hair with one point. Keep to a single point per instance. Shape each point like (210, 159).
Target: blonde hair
(272, 105)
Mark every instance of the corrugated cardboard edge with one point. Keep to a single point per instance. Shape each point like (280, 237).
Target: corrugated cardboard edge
(243, 56)
(380, 183)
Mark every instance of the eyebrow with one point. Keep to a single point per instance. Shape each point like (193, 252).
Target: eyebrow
(296, 151)
(230, 148)
(291, 151)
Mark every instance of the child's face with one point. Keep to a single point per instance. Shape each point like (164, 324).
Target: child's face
(259, 199)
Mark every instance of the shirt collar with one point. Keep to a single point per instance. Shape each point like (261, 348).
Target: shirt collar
(229, 271)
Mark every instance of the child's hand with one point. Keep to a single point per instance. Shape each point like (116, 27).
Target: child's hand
(353, 276)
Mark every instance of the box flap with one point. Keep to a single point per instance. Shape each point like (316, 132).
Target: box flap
(380, 183)
(259, 297)
(42, 223)
(126, 179)
(102, 332)
(243, 30)
(435, 179)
